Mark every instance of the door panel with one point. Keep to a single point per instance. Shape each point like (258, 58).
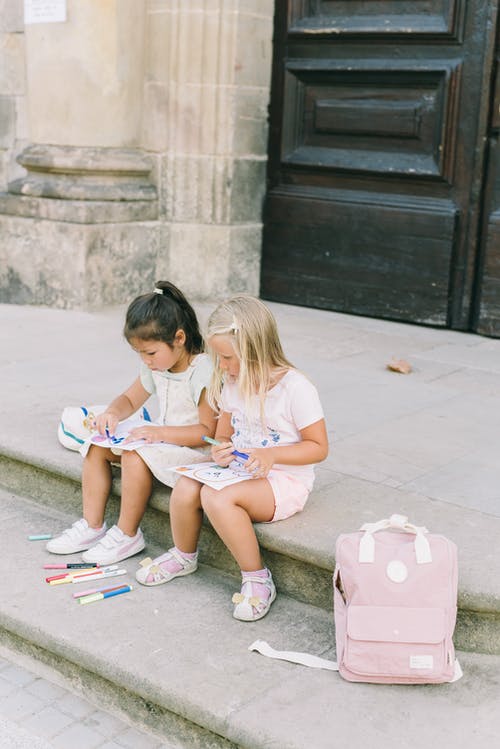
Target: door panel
(378, 112)
(377, 268)
(443, 18)
(358, 115)
(487, 317)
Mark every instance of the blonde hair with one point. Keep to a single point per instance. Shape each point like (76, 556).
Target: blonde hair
(253, 332)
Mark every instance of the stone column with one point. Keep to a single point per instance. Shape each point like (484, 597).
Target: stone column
(208, 73)
(86, 176)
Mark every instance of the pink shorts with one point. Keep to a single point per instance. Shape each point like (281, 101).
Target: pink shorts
(290, 494)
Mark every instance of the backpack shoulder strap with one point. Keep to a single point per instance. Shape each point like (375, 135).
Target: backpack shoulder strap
(304, 659)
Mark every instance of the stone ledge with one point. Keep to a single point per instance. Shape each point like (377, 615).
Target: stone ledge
(301, 551)
(78, 211)
(83, 173)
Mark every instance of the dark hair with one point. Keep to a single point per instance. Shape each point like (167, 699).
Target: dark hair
(158, 317)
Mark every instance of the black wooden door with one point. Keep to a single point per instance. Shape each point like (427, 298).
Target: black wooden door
(379, 112)
(487, 308)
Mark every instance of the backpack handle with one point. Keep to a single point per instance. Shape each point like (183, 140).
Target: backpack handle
(396, 522)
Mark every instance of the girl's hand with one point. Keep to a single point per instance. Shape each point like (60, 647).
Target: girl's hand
(149, 434)
(222, 454)
(107, 420)
(260, 462)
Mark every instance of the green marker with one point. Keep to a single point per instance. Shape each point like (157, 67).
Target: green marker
(243, 456)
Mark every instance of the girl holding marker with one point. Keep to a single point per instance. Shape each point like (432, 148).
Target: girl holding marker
(162, 328)
(271, 413)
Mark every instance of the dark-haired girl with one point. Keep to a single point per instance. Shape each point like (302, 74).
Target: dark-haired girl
(162, 328)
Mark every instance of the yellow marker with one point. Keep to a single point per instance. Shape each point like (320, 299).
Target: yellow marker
(62, 580)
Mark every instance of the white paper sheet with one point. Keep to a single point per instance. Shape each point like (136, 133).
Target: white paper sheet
(213, 475)
(122, 431)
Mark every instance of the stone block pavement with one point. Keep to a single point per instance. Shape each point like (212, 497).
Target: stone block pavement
(39, 713)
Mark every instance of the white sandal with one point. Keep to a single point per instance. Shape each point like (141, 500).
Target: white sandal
(152, 567)
(251, 608)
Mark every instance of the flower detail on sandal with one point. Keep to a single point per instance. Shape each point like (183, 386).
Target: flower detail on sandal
(250, 608)
(165, 567)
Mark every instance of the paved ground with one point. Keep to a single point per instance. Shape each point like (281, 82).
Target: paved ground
(37, 713)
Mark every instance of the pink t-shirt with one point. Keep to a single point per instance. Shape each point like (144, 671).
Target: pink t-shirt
(291, 405)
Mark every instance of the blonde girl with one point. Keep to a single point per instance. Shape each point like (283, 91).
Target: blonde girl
(268, 410)
(162, 328)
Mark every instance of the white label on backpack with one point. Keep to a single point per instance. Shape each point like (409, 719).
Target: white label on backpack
(421, 661)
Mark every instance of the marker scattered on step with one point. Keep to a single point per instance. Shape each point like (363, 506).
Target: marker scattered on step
(71, 566)
(79, 576)
(104, 589)
(100, 596)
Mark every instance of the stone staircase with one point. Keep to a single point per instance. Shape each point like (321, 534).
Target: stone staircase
(175, 659)
(172, 657)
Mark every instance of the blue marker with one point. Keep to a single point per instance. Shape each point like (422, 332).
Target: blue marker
(105, 594)
(243, 456)
(112, 438)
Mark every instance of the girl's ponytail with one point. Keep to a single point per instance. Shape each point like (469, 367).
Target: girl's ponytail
(159, 315)
(190, 327)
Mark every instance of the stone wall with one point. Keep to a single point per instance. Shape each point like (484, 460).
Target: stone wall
(188, 96)
(13, 120)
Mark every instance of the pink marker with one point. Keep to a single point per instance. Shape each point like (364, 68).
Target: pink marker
(79, 574)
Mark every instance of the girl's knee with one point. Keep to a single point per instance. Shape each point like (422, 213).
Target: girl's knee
(132, 463)
(186, 491)
(212, 500)
(130, 457)
(97, 455)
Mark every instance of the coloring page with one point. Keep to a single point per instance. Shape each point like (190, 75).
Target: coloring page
(213, 475)
(121, 433)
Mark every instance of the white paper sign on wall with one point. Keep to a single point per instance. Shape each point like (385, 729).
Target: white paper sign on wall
(44, 11)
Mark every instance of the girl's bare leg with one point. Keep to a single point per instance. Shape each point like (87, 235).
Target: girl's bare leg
(186, 514)
(137, 483)
(96, 484)
(233, 510)
(185, 519)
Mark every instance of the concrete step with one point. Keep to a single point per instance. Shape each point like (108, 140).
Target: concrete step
(300, 551)
(174, 657)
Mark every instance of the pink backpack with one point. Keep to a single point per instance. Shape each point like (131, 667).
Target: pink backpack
(395, 606)
(395, 603)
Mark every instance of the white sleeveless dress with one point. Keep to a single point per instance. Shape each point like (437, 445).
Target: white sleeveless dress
(176, 397)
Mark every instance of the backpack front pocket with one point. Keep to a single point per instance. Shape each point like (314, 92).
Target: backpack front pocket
(390, 641)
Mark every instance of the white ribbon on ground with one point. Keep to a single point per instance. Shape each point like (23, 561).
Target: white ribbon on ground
(303, 659)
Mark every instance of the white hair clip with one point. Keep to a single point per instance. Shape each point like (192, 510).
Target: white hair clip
(158, 291)
(234, 326)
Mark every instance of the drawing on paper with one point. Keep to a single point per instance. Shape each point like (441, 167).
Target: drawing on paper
(214, 475)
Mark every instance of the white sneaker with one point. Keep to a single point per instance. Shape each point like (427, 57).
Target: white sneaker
(77, 538)
(114, 547)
